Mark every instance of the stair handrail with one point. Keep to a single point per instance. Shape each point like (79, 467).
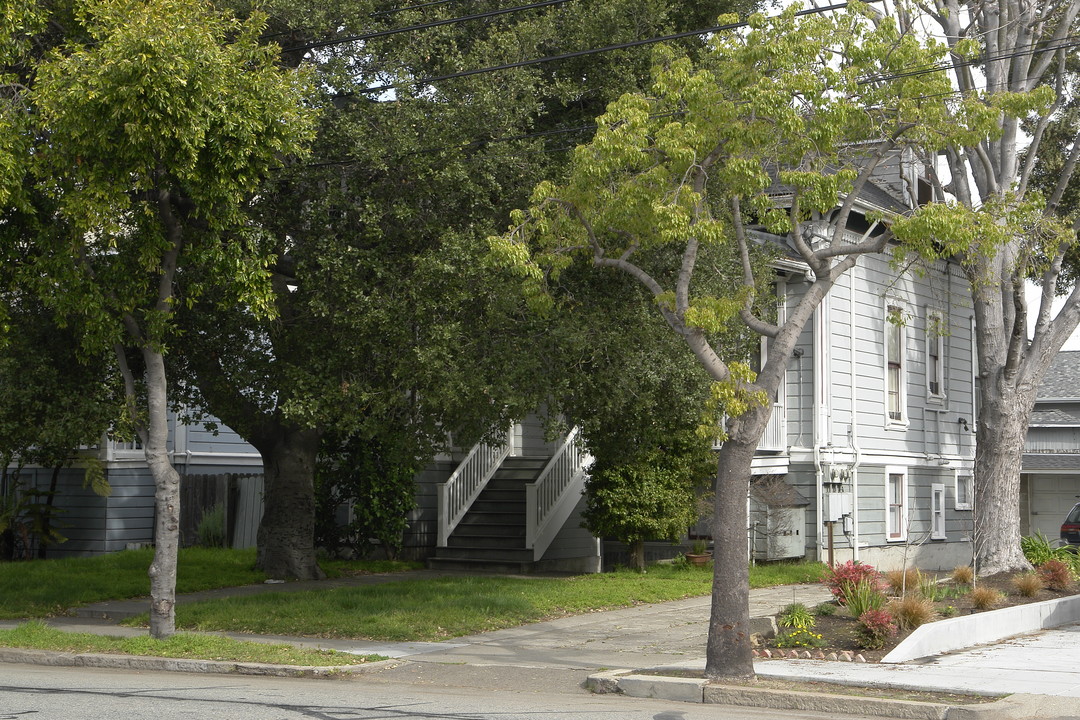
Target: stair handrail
(551, 499)
(457, 494)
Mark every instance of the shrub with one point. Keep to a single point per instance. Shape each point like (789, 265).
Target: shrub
(963, 574)
(911, 611)
(903, 581)
(948, 611)
(211, 527)
(1028, 584)
(875, 627)
(800, 638)
(1037, 549)
(795, 616)
(984, 598)
(1055, 574)
(825, 609)
(841, 577)
(862, 596)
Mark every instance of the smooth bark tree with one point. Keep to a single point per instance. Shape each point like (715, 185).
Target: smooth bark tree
(778, 129)
(1018, 176)
(155, 121)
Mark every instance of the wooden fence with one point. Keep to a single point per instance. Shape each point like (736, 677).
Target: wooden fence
(241, 498)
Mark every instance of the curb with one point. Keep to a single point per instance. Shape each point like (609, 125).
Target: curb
(1014, 707)
(158, 664)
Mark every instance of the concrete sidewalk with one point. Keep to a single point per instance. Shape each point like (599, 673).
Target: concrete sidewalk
(664, 635)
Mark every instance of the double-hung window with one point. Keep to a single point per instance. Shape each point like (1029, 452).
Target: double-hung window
(895, 366)
(965, 491)
(935, 355)
(937, 511)
(895, 504)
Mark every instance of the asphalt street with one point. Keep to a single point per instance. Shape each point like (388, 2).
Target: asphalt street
(91, 694)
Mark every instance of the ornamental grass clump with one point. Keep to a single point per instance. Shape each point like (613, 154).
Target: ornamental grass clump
(875, 627)
(963, 575)
(984, 598)
(911, 611)
(1028, 584)
(903, 581)
(840, 578)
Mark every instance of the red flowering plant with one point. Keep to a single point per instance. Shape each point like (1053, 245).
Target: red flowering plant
(875, 627)
(841, 578)
(1056, 575)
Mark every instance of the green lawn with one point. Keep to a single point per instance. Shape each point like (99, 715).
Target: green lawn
(406, 609)
(37, 635)
(434, 609)
(41, 588)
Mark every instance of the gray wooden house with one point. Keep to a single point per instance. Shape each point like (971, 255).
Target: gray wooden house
(217, 467)
(1050, 474)
(874, 427)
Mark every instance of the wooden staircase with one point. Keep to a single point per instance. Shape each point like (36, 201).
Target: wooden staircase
(491, 536)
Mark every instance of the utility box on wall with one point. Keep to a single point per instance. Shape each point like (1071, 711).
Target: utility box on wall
(777, 519)
(777, 533)
(837, 505)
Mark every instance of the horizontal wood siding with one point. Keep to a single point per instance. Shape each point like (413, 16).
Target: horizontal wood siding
(932, 425)
(573, 541)
(130, 508)
(80, 514)
(533, 442)
(1053, 439)
(227, 440)
(422, 534)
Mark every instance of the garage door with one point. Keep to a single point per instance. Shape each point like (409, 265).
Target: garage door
(1049, 499)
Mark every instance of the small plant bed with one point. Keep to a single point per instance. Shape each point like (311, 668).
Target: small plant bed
(873, 612)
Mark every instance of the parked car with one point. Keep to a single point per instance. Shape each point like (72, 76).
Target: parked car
(1070, 529)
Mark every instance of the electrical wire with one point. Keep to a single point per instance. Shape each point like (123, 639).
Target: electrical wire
(425, 26)
(1066, 43)
(406, 8)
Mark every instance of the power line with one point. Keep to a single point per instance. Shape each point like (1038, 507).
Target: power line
(425, 26)
(582, 53)
(420, 6)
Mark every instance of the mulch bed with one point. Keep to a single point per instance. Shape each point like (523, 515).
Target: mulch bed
(838, 630)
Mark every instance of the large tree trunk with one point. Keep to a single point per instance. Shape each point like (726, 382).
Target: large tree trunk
(729, 649)
(286, 539)
(166, 500)
(999, 447)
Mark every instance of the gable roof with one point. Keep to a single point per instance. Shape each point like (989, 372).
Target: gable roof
(1062, 379)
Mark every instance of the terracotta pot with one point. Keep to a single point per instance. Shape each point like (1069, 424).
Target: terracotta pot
(701, 559)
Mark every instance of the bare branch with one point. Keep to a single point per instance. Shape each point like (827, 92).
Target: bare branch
(129, 391)
(753, 322)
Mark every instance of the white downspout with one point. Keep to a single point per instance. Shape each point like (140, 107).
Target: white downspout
(820, 328)
(854, 424)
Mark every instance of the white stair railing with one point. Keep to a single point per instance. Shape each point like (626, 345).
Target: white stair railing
(551, 499)
(456, 495)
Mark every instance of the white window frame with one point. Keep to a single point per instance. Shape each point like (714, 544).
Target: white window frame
(935, 347)
(963, 477)
(899, 368)
(937, 511)
(896, 521)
